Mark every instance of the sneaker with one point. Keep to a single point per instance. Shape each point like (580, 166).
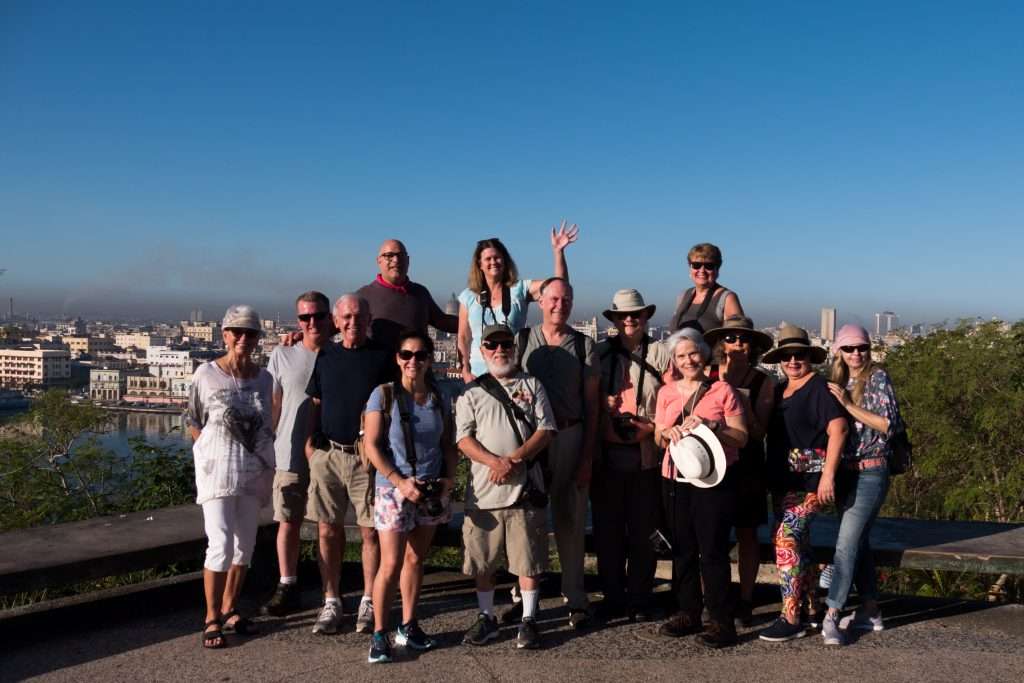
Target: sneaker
(861, 622)
(380, 648)
(364, 618)
(513, 614)
(329, 619)
(411, 635)
(813, 619)
(579, 619)
(483, 631)
(718, 635)
(528, 637)
(744, 614)
(830, 631)
(284, 601)
(680, 625)
(781, 631)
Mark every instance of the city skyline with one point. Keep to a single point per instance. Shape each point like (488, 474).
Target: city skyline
(159, 159)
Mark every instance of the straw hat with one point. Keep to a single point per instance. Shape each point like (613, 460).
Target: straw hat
(793, 338)
(699, 458)
(739, 323)
(628, 301)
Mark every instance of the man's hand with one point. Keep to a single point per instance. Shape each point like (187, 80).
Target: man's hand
(501, 468)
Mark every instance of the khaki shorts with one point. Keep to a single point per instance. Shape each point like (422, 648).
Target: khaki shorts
(337, 478)
(291, 492)
(519, 533)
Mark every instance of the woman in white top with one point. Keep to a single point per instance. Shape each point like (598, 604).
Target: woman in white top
(229, 415)
(496, 295)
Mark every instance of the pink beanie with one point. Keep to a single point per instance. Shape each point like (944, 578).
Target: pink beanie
(851, 335)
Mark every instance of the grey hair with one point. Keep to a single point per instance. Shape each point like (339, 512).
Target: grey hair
(364, 305)
(689, 334)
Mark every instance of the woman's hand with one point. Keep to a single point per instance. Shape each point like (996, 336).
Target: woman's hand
(409, 489)
(565, 236)
(827, 488)
(841, 394)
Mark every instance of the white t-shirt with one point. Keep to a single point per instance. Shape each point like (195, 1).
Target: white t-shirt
(234, 453)
(291, 367)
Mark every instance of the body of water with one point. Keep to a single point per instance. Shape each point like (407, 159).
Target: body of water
(159, 429)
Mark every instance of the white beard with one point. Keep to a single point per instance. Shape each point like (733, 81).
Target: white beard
(500, 370)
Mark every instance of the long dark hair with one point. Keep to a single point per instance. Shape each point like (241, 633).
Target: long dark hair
(428, 345)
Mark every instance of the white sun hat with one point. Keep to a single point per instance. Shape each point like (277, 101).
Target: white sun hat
(699, 458)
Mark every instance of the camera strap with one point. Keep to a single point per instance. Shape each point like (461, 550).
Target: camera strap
(493, 387)
(485, 305)
(405, 417)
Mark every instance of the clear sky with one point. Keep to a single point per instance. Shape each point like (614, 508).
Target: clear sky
(155, 157)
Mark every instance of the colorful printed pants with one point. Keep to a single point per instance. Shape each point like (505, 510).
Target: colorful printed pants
(793, 554)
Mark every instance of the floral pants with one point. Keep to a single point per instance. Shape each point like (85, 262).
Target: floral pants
(794, 556)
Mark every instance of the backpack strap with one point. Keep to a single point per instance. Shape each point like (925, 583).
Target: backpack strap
(522, 338)
(694, 400)
(687, 300)
(512, 411)
(405, 416)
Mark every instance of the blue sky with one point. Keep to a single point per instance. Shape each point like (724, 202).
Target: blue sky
(159, 156)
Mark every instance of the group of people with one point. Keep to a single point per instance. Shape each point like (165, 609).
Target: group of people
(673, 443)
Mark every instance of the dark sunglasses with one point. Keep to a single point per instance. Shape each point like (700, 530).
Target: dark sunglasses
(635, 315)
(863, 348)
(240, 332)
(421, 356)
(736, 338)
(795, 355)
(706, 265)
(318, 316)
(503, 344)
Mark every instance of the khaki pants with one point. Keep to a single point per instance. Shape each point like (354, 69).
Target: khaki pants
(568, 512)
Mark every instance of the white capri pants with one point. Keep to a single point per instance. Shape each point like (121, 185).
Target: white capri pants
(231, 523)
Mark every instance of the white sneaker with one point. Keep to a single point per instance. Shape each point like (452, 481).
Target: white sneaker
(329, 620)
(861, 622)
(830, 631)
(364, 618)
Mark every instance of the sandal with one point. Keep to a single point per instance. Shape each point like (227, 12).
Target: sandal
(211, 637)
(243, 626)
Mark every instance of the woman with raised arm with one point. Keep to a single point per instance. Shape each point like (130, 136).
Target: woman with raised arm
(496, 295)
(229, 416)
(707, 304)
(864, 389)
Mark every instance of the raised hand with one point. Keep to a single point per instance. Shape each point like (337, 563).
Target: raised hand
(564, 236)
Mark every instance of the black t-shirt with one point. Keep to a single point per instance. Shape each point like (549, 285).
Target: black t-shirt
(800, 421)
(342, 379)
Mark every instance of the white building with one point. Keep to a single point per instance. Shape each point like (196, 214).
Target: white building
(828, 324)
(23, 367)
(139, 340)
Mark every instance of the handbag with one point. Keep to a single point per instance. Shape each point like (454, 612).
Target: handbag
(901, 456)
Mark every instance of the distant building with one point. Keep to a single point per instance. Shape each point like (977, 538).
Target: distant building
(89, 346)
(71, 328)
(587, 327)
(828, 324)
(452, 307)
(208, 333)
(149, 389)
(24, 367)
(107, 384)
(885, 323)
(139, 340)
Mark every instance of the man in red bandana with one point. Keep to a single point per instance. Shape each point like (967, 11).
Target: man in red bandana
(397, 303)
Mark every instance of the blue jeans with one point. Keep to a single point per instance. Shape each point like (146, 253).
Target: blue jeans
(859, 498)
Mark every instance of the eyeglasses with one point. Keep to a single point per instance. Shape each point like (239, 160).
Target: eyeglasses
(243, 332)
(706, 265)
(799, 356)
(318, 316)
(505, 344)
(421, 356)
(860, 348)
(741, 338)
(392, 255)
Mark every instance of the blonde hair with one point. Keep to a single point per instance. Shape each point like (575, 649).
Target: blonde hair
(841, 375)
(476, 279)
(705, 250)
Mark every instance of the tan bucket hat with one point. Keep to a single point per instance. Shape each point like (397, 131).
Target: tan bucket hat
(628, 301)
(735, 324)
(793, 338)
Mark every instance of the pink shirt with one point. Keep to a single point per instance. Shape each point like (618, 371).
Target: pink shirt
(718, 403)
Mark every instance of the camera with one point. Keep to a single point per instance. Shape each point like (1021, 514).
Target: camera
(623, 426)
(431, 492)
(660, 544)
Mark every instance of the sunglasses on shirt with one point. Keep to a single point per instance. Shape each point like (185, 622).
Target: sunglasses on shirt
(421, 356)
(505, 344)
(861, 348)
(318, 316)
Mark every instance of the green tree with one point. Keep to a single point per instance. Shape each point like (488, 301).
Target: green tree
(961, 393)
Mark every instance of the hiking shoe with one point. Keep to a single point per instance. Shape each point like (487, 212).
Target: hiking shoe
(579, 619)
(862, 622)
(380, 648)
(483, 631)
(718, 635)
(830, 631)
(513, 614)
(781, 631)
(411, 635)
(680, 625)
(329, 619)
(744, 614)
(364, 618)
(528, 637)
(284, 601)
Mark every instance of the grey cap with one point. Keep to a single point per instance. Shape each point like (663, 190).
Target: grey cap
(242, 317)
(495, 330)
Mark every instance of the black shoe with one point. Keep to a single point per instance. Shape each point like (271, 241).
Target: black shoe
(284, 601)
(528, 637)
(607, 610)
(812, 619)
(579, 619)
(718, 635)
(484, 630)
(513, 614)
(781, 631)
(380, 649)
(641, 614)
(680, 625)
(744, 615)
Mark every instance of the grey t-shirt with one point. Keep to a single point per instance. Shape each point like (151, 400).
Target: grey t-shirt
(558, 368)
(291, 367)
(480, 415)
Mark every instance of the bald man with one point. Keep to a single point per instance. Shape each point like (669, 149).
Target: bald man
(397, 303)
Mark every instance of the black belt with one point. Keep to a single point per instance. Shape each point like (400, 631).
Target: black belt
(344, 447)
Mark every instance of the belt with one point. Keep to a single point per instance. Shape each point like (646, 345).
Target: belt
(565, 424)
(865, 464)
(343, 447)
